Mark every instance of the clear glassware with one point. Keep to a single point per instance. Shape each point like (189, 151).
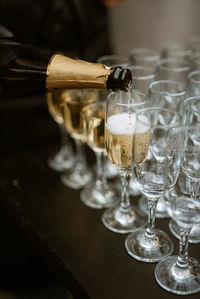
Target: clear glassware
(193, 83)
(144, 57)
(183, 186)
(158, 137)
(174, 68)
(194, 44)
(142, 77)
(64, 158)
(176, 50)
(193, 90)
(99, 193)
(181, 274)
(119, 128)
(110, 171)
(74, 101)
(170, 95)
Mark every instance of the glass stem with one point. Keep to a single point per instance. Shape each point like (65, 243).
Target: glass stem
(150, 231)
(125, 200)
(63, 135)
(80, 155)
(100, 180)
(182, 260)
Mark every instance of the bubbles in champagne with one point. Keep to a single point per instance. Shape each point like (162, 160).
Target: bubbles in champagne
(119, 137)
(141, 139)
(119, 132)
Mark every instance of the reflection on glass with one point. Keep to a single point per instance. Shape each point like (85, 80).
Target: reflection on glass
(74, 101)
(64, 158)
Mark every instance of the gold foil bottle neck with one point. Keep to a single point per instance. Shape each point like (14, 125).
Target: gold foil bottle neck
(64, 72)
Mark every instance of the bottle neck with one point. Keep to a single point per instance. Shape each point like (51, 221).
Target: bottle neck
(65, 72)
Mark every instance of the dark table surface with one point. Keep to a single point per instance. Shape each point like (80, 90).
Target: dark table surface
(90, 260)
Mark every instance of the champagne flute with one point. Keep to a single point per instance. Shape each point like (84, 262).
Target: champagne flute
(181, 274)
(98, 194)
(176, 50)
(174, 68)
(119, 128)
(144, 57)
(170, 95)
(64, 158)
(156, 162)
(74, 101)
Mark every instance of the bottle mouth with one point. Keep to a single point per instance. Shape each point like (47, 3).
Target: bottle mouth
(119, 79)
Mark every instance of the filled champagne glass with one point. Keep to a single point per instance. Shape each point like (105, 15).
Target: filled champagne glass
(98, 194)
(119, 128)
(74, 101)
(64, 158)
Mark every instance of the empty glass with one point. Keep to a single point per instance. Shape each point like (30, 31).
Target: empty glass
(166, 94)
(64, 158)
(144, 57)
(119, 128)
(181, 274)
(142, 77)
(176, 50)
(158, 137)
(173, 68)
(193, 84)
(193, 90)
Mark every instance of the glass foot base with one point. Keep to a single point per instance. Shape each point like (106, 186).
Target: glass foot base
(148, 250)
(176, 280)
(98, 198)
(161, 211)
(76, 180)
(123, 222)
(61, 160)
(194, 236)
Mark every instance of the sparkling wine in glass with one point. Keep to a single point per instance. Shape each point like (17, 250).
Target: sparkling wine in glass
(119, 129)
(64, 158)
(74, 101)
(99, 193)
(111, 60)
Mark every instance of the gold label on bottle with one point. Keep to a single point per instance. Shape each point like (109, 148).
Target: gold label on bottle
(64, 72)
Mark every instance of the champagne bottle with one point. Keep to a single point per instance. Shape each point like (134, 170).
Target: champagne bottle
(25, 69)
